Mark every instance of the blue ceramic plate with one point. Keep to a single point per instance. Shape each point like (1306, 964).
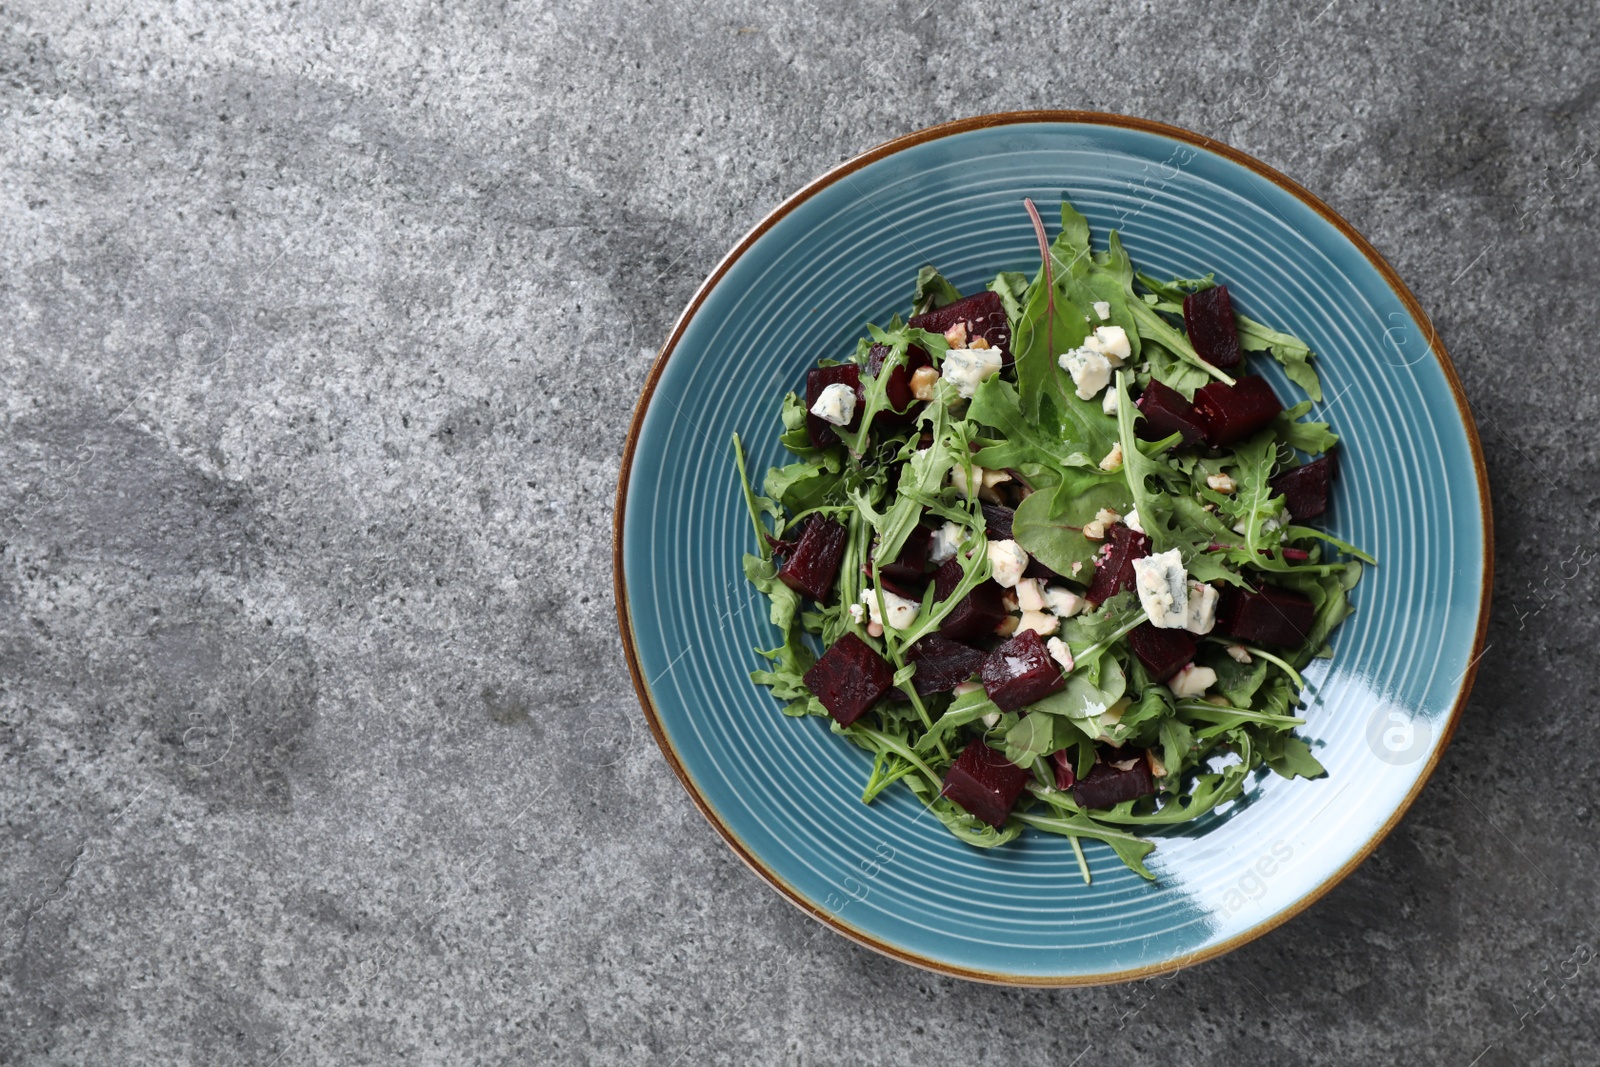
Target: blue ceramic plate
(843, 252)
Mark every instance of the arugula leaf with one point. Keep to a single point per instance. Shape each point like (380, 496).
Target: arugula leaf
(932, 292)
(1130, 850)
(1312, 437)
(805, 485)
(794, 437)
(963, 710)
(1174, 291)
(1032, 736)
(1286, 348)
(1057, 439)
(1291, 757)
(1173, 372)
(1177, 747)
(923, 474)
(1237, 682)
(1138, 468)
(1328, 591)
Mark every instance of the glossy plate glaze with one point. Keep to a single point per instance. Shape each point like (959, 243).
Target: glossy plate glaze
(843, 252)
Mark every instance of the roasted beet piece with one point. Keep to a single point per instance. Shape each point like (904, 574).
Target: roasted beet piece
(997, 521)
(819, 378)
(1305, 489)
(1020, 672)
(985, 783)
(1113, 569)
(1107, 784)
(903, 407)
(1163, 652)
(1271, 617)
(977, 613)
(908, 567)
(1065, 772)
(813, 563)
(1165, 413)
(1233, 412)
(984, 315)
(1208, 318)
(942, 664)
(849, 679)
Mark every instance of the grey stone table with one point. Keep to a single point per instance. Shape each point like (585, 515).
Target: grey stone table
(322, 324)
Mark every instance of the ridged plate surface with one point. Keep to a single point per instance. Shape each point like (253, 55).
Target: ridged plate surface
(842, 253)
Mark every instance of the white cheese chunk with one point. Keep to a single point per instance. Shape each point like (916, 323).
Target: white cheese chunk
(1220, 482)
(1192, 681)
(991, 719)
(1111, 342)
(902, 610)
(1108, 403)
(967, 368)
(1007, 561)
(836, 404)
(1059, 652)
(1063, 602)
(1030, 594)
(1201, 614)
(1131, 521)
(1091, 371)
(1040, 622)
(946, 541)
(858, 612)
(1102, 308)
(1162, 584)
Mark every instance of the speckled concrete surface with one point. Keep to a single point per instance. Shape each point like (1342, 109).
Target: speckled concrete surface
(322, 323)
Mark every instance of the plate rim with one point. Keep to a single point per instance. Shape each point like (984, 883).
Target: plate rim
(842, 171)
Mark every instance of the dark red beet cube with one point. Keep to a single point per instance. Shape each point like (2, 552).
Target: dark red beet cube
(1165, 413)
(906, 571)
(1305, 489)
(977, 613)
(819, 378)
(985, 783)
(813, 563)
(1108, 784)
(1163, 652)
(1208, 318)
(1270, 617)
(942, 664)
(984, 316)
(1065, 772)
(1020, 672)
(849, 679)
(1113, 570)
(997, 521)
(1233, 412)
(903, 407)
